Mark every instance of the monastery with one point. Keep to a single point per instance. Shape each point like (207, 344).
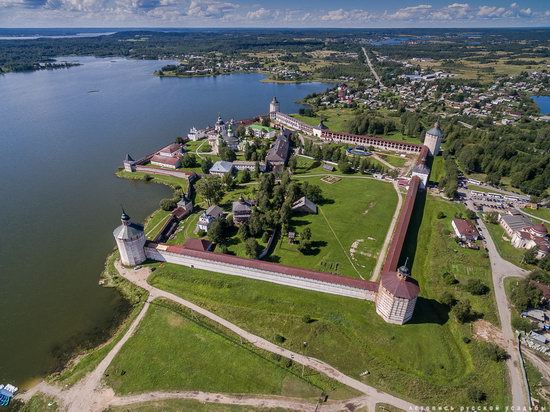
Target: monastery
(395, 295)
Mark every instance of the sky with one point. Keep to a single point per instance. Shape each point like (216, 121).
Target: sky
(272, 13)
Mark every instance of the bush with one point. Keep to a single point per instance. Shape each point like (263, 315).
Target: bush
(265, 237)
(307, 319)
(494, 352)
(441, 215)
(476, 395)
(168, 204)
(522, 324)
(147, 178)
(525, 295)
(466, 339)
(463, 311)
(448, 299)
(280, 338)
(476, 287)
(449, 279)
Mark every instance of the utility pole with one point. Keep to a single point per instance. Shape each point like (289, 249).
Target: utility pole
(304, 353)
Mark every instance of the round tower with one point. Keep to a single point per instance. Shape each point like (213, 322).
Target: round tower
(396, 297)
(130, 240)
(433, 139)
(274, 105)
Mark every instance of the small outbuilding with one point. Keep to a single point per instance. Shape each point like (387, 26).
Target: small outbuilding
(465, 230)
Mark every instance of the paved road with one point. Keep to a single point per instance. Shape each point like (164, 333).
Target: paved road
(139, 277)
(501, 270)
(371, 67)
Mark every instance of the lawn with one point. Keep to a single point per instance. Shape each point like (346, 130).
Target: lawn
(172, 181)
(155, 222)
(178, 405)
(438, 169)
(335, 119)
(543, 213)
(400, 137)
(425, 361)
(434, 251)
(39, 403)
(175, 349)
(394, 160)
(342, 221)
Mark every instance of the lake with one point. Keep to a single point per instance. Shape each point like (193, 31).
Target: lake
(543, 103)
(61, 145)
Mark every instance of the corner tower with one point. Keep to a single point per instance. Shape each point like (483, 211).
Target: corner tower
(130, 240)
(396, 297)
(274, 106)
(433, 139)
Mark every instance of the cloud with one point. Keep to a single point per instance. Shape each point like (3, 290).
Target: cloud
(259, 14)
(210, 8)
(346, 15)
(420, 12)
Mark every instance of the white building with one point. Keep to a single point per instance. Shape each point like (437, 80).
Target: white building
(274, 106)
(433, 139)
(208, 216)
(129, 164)
(130, 240)
(196, 134)
(221, 168)
(533, 236)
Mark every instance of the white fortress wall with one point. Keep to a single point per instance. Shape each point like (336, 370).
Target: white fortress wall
(257, 274)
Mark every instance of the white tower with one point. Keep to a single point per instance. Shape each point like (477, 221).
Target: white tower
(130, 240)
(274, 106)
(433, 139)
(396, 297)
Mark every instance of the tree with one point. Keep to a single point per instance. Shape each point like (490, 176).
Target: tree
(217, 231)
(244, 232)
(530, 256)
(544, 263)
(227, 154)
(245, 176)
(344, 166)
(470, 214)
(210, 188)
(441, 215)
(188, 160)
(448, 299)
(206, 165)
(476, 395)
(228, 181)
(476, 287)
(313, 193)
(525, 295)
(168, 204)
(306, 234)
(252, 247)
(293, 163)
(491, 217)
(463, 311)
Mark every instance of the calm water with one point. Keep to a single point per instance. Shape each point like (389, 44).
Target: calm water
(543, 102)
(60, 146)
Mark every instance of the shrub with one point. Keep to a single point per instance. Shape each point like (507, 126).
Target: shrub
(522, 324)
(168, 204)
(265, 237)
(448, 299)
(306, 319)
(147, 178)
(525, 295)
(494, 352)
(466, 339)
(449, 279)
(463, 311)
(280, 338)
(441, 215)
(288, 363)
(476, 395)
(476, 287)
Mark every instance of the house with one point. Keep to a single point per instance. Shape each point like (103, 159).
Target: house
(208, 216)
(242, 210)
(201, 245)
(277, 155)
(248, 165)
(465, 230)
(221, 167)
(168, 157)
(304, 205)
(514, 221)
(183, 208)
(535, 314)
(533, 236)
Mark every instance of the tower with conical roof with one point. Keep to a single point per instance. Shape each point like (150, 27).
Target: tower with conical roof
(274, 106)
(433, 139)
(130, 240)
(397, 294)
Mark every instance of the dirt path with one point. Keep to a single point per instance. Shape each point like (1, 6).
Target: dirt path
(384, 162)
(371, 67)
(389, 235)
(139, 277)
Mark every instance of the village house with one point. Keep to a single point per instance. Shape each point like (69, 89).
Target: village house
(242, 210)
(514, 221)
(221, 168)
(168, 157)
(248, 165)
(304, 205)
(183, 208)
(465, 230)
(208, 216)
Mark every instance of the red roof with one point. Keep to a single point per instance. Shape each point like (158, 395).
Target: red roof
(273, 267)
(399, 286)
(197, 244)
(540, 229)
(172, 161)
(466, 228)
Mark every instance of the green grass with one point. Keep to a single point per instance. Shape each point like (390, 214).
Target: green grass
(424, 361)
(536, 381)
(171, 181)
(400, 137)
(178, 405)
(40, 403)
(396, 161)
(483, 189)
(174, 349)
(155, 222)
(504, 246)
(435, 252)
(543, 213)
(438, 169)
(336, 119)
(364, 217)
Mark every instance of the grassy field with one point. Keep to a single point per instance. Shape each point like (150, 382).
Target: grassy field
(400, 137)
(40, 403)
(434, 251)
(155, 223)
(341, 221)
(172, 181)
(396, 161)
(543, 213)
(438, 169)
(178, 405)
(336, 119)
(425, 360)
(174, 349)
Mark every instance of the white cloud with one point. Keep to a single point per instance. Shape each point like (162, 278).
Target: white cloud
(411, 13)
(259, 14)
(210, 8)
